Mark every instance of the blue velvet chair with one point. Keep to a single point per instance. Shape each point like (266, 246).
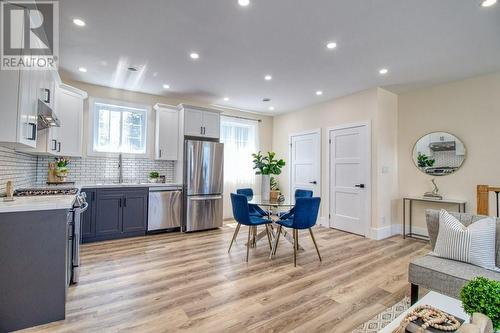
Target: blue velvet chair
(298, 194)
(304, 217)
(255, 210)
(242, 215)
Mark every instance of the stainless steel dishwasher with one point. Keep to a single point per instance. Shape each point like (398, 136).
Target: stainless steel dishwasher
(165, 209)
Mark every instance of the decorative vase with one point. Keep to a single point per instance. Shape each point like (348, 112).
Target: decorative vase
(61, 173)
(265, 188)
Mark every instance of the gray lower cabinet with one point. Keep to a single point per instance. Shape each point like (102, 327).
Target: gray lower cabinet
(115, 213)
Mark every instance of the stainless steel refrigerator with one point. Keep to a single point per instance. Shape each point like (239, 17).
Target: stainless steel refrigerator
(204, 183)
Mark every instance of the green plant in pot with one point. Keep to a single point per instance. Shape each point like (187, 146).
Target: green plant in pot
(154, 177)
(482, 295)
(62, 167)
(267, 166)
(424, 161)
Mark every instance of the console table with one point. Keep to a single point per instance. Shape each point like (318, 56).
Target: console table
(410, 199)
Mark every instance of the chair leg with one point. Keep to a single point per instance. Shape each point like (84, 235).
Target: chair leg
(278, 233)
(234, 236)
(314, 241)
(248, 242)
(295, 243)
(268, 237)
(413, 293)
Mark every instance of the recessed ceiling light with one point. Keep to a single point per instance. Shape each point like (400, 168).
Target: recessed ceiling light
(226, 99)
(82, 69)
(194, 55)
(268, 77)
(383, 71)
(488, 3)
(319, 93)
(331, 45)
(271, 108)
(79, 22)
(243, 3)
(166, 86)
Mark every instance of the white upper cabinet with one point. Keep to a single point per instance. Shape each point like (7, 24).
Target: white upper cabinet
(201, 122)
(68, 138)
(166, 133)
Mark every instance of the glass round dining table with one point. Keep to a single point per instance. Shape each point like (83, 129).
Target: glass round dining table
(273, 207)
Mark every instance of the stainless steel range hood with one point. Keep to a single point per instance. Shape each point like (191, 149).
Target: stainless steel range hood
(442, 146)
(46, 116)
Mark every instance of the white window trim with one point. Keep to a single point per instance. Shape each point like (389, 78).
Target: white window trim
(91, 120)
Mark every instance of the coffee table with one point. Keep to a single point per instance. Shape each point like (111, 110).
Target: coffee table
(437, 300)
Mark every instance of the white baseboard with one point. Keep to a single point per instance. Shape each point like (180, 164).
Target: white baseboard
(323, 221)
(381, 233)
(397, 229)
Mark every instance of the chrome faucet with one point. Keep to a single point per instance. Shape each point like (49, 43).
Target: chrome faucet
(120, 168)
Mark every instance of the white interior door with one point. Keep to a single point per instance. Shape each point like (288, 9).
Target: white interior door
(349, 179)
(305, 162)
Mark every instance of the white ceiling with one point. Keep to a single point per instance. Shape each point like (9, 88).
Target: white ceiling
(421, 42)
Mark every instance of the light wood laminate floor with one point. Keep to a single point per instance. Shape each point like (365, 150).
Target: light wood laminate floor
(188, 282)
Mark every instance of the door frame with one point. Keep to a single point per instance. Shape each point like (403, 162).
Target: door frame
(312, 131)
(368, 175)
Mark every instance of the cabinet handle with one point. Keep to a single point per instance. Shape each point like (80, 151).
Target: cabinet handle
(47, 96)
(58, 147)
(93, 196)
(201, 130)
(33, 131)
(124, 202)
(54, 141)
(160, 153)
(120, 202)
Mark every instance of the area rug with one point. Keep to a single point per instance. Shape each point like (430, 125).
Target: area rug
(384, 318)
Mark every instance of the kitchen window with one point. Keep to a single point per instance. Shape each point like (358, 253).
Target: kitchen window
(119, 128)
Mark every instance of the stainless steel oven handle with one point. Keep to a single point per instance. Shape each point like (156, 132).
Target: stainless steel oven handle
(83, 208)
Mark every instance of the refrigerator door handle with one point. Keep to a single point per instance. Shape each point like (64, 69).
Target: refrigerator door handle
(207, 197)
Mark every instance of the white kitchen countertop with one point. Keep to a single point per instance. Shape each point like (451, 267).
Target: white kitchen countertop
(46, 202)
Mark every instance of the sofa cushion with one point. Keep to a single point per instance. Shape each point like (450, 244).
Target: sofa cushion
(474, 244)
(432, 219)
(444, 275)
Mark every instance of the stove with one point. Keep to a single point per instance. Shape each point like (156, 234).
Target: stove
(31, 192)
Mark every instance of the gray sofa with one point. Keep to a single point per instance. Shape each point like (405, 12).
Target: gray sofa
(443, 275)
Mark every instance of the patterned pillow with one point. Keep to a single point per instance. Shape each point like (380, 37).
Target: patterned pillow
(474, 244)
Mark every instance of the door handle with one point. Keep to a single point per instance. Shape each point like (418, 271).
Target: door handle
(360, 185)
(313, 182)
(213, 197)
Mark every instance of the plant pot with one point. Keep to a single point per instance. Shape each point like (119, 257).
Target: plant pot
(265, 188)
(153, 180)
(274, 195)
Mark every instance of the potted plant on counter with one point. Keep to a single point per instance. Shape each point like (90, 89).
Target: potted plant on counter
(154, 177)
(267, 166)
(62, 168)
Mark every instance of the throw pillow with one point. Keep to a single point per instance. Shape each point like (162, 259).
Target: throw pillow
(474, 244)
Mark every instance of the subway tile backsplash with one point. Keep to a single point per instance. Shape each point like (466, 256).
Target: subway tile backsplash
(105, 170)
(18, 167)
(29, 170)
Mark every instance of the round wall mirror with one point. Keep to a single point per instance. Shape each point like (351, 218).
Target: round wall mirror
(439, 154)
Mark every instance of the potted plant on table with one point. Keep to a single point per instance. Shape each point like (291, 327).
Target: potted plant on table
(154, 177)
(275, 191)
(267, 166)
(62, 168)
(482, 295)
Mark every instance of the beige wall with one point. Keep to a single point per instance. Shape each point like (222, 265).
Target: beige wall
(469, 109)
(377, 106)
